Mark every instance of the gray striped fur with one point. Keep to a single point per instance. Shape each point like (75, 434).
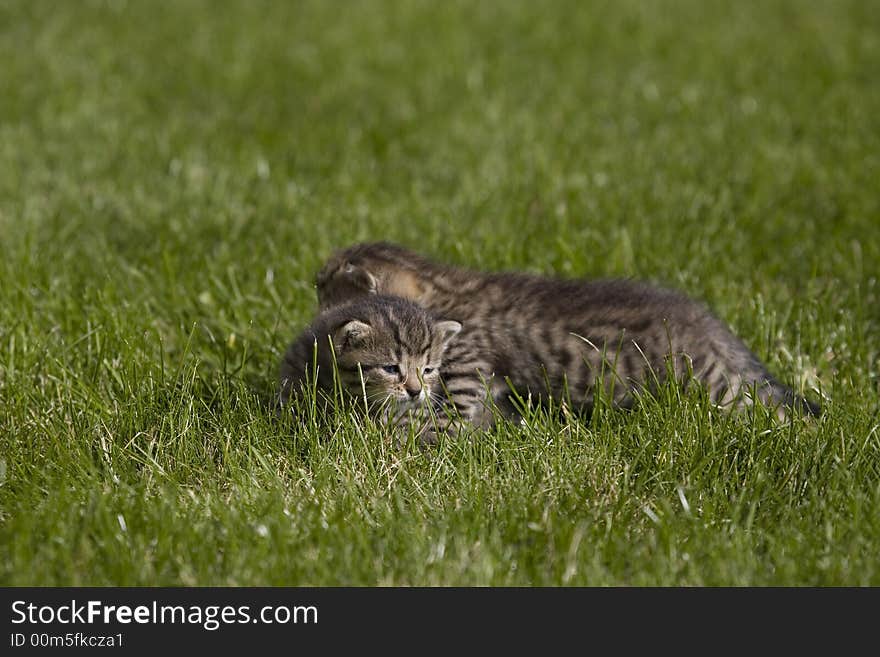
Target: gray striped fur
(384, 351)
(560, 337)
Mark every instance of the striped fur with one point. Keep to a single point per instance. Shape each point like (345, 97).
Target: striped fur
(384, 350)
(560, 337)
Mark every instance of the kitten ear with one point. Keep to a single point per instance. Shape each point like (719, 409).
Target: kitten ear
(447, 330)
(351, 333)
(338, 284)
(359, 278)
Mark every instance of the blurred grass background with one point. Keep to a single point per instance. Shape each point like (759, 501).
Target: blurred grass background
(172, 175)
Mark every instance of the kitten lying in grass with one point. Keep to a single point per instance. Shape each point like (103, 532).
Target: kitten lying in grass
(384, 350)
(563, 338)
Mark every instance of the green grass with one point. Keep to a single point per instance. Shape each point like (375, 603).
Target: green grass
(172, 175)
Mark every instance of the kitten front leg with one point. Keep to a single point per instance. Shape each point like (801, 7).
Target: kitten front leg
(429, 423)
(419, 423)
(460, 410)
(461, 402)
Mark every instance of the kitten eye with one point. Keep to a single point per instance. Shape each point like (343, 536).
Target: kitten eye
(428, 370)
(391, 369)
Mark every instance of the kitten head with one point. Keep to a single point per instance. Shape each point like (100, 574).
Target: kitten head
(363, 269)
(389, 349)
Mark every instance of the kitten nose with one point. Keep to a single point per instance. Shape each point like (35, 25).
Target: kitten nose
(413, 392)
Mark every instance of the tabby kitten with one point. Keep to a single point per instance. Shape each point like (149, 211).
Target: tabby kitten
(563, 338)
(387, 351)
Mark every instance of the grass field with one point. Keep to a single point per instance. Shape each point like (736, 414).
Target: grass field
(173, 174)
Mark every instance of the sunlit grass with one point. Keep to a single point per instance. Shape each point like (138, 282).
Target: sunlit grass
(171, 179)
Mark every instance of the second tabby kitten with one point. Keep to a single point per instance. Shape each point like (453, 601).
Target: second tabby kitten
(552, 336)
(384, 350)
